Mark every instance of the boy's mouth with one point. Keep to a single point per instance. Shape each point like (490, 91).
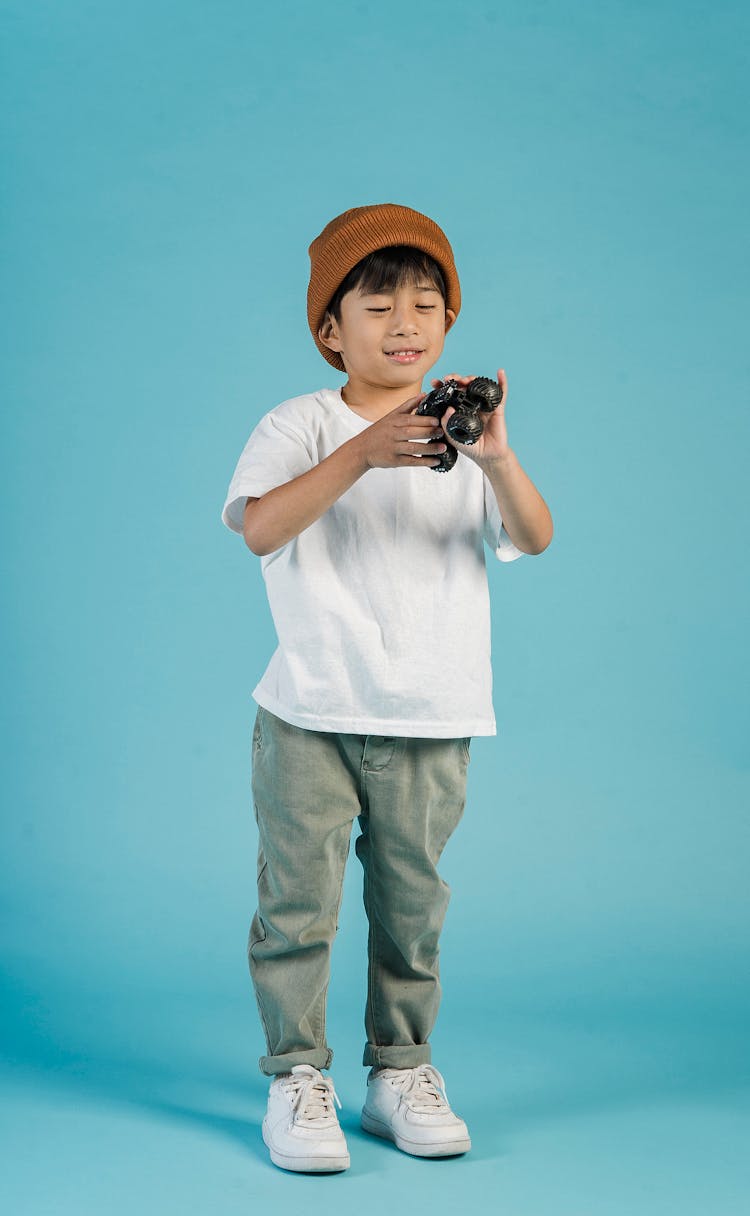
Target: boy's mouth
(404, 356)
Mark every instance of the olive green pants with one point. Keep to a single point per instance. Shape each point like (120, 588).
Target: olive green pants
(308, 788)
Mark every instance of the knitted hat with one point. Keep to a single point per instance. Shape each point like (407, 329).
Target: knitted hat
(351, 236)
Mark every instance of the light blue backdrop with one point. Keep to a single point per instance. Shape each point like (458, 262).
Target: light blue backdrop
(167, 165)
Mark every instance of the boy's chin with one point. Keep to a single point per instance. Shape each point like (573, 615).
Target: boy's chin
(404, 373)
(390, 375)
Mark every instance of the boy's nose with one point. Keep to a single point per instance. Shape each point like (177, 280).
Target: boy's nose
(404, 325)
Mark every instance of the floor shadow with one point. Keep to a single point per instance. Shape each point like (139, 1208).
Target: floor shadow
(549, 1071)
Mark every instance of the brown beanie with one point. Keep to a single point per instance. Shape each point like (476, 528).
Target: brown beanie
(351, 236)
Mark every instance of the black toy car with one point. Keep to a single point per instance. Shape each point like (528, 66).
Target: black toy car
(480, 396)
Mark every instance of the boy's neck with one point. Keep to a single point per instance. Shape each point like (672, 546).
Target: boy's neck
(372, 401)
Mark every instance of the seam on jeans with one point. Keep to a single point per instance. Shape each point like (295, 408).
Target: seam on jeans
(250, 947)
(372, 963)
(368, 886)
(324, 1003)
(373, 953)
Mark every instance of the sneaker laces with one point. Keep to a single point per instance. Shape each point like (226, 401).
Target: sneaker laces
(312, 1096)
(422, 1088)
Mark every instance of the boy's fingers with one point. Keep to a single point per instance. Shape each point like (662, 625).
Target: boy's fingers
(418, 423)
(411, 404)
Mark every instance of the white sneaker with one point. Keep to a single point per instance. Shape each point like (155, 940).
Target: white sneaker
(301, 1127)
(410, 1107)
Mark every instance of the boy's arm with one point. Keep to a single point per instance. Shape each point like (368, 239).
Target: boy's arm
(525, 514)
(282, 513)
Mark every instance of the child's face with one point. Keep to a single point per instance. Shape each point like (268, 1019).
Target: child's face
(373, 327)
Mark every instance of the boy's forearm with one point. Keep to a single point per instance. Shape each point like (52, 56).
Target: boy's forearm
(281, 514)
(524, 512)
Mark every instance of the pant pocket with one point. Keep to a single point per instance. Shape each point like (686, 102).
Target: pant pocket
(257, 732)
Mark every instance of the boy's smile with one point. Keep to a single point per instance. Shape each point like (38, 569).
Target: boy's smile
(405, 356)
(388, 342)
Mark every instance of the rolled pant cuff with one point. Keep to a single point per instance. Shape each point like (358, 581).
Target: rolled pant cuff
(408, 1055)
(319, 1057)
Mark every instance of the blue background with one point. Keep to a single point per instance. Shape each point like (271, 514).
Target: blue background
(167, 165)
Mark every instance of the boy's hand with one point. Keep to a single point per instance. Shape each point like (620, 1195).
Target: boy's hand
(493, 442)
(390, 442)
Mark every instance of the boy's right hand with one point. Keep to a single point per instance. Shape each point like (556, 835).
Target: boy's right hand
(391, 442)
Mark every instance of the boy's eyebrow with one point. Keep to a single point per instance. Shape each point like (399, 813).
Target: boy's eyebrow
(422, 287)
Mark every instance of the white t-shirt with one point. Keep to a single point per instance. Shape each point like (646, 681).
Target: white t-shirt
(381, 606)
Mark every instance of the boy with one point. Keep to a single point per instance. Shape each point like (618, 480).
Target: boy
(374, 568)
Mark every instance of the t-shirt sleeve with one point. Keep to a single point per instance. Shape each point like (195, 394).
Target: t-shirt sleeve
(274, 454)
(494, 532)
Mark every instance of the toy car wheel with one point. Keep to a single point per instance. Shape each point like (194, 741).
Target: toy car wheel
(464, 428)
(485, 393)
(447, 460)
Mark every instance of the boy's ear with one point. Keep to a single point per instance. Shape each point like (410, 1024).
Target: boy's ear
(329, 334)
(450, 317)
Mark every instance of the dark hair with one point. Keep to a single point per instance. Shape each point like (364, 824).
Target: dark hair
(385, 270)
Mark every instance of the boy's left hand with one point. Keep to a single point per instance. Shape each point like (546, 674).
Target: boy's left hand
(493, 442)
